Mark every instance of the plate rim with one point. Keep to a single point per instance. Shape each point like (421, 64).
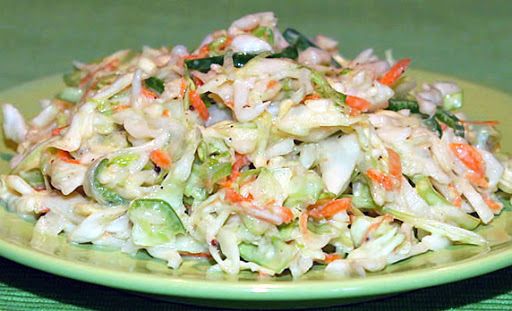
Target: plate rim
(395, 282)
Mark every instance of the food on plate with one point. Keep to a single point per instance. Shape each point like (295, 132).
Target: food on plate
(260, 150)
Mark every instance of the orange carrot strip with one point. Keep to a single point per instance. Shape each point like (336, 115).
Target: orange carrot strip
(202, 255)
(271, 84)
(493, 205)
(303, 223)
(120, 108)
(357, 103)
(66, 157)
(458, 199)
(489, 123)
(58, 130)
(235, 197)
(240, 161)
(390, 77)
(198, 82)
(395, 166)
(226, 43)
(311, 97)
(202, 53)
(160, 158)
(198, 105)
(166, 113)
(477, 179)
(331, 257)
(332, 208)
(286, 214)
(375, 225)
(183, 88)
(470, 157)
(148, 93)
(380, 178)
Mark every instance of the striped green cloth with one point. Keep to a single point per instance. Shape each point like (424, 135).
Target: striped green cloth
(468, 39)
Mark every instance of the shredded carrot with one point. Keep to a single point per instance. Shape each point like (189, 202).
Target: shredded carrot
(458, 199)
(357, 104)
(183, 88)
(57, 131)
(457, 202)
(395, 166)
(62, 104)
(311, 97)
(470, 157)
(235, 197)
(120, 108)
(271, 84)
(240, 161)
(493, 205)
(390, 77)
(303, 223)
(286, 214)
(331, 257)
(201, 255)
(381, 178)
(226, 43)
(198, 105)
(87, 78)
(197, 81)
(477, 179)
(148, 93)
(489, 123)
(66, 157)
(160, 158)
(375, 225)
(330, 209)
(166, 113)
(202, 53)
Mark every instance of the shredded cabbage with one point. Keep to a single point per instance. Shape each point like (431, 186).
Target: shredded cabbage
(261, 150)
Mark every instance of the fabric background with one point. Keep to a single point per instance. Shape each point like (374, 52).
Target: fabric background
(467, 39)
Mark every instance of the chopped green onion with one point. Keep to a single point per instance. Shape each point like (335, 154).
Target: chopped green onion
(401, 104)
(204, 64)
(6, 156)
(289, 52)
(295, 38)
(301, 42)
(451, 120)
(155, 84)
(240, 59)
(207, 100)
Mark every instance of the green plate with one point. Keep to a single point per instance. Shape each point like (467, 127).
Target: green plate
(192, 284)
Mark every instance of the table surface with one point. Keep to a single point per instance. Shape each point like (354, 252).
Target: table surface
(467, 39)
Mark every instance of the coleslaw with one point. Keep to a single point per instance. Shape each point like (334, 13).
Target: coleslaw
(261, 150)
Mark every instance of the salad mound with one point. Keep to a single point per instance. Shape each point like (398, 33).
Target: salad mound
(260, 150)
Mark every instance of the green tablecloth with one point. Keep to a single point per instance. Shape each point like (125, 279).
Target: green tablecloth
(468, 39)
